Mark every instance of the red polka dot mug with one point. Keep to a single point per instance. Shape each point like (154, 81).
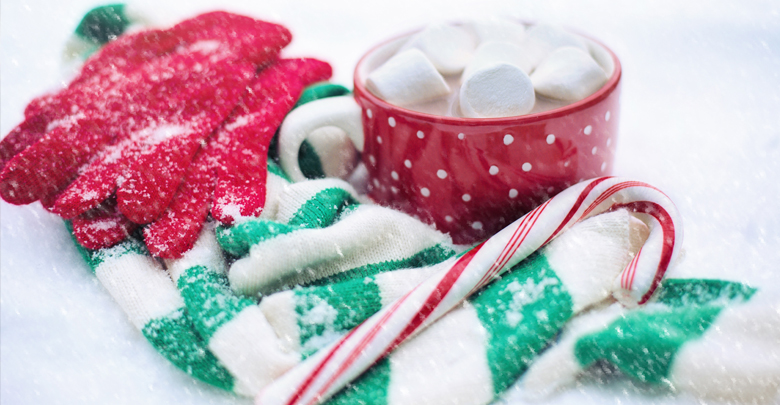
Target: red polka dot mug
(470, 177)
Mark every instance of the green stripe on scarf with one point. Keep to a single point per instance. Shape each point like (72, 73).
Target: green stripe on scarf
(426, 257)
(238, 239)
(320, 90)
(323, 209)
(309, 161)
(274, 168)
(318, 212)
(325, 313)
(210, 300)
(522, 312)
(690, 292)
(103, 24)
(643, 344)
(173, 337)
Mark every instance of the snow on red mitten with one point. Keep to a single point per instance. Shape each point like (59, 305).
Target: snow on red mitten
(136, 116)
(232, 167)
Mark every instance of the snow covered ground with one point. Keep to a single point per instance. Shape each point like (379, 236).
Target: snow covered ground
(700, 119)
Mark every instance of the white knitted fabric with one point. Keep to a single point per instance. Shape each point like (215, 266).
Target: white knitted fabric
(363, 235)
(448, 363)
(235, 343)
(737, 359)
(136, 283)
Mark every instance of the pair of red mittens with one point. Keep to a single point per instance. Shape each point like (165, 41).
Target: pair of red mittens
(155, 124)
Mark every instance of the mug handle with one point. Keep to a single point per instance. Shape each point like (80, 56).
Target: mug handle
(342, 112)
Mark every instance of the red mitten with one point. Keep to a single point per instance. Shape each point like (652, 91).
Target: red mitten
(131, 123)
(102, 226)
(244, 139)
(98, 74)
(233, 165)
(137, 118)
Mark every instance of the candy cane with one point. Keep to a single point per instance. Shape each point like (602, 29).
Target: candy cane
(325, 373)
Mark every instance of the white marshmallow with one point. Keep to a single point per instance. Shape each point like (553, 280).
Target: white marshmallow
(448, 47)
(496, 29)
(542, 39)
(406, 78)
(568, 74)
(499, 90)
(491, 53)
(601, 56)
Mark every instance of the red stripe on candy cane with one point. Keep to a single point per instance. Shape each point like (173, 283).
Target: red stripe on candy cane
(507, 252)
(354, 354)
(624, 283)
(526, 224)
(381, 333)
(664, 219)
(576, 207)
(534, 216)
(612, 191)
(659, 214)
(315, 373)
(310, 378)
(632, 274)
(433, 301)
(436, 297)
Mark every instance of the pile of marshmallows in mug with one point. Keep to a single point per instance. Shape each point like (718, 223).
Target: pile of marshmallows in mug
(502, 68)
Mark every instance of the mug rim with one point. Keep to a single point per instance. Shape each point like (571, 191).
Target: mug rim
(595, 98)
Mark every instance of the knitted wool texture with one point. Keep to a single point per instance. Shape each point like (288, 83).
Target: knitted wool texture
(153, 305)
(96, 97)
(323, 234)
(242, 351)
(697, 335)
(246, 346)
(154, 125)
(181, 325)
(233, 327)
(479, 349)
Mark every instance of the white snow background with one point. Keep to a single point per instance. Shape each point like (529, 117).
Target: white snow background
(700, 119)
